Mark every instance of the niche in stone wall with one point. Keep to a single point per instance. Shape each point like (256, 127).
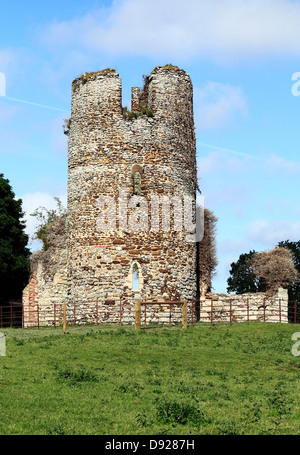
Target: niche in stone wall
(137, 172)
(134, 279)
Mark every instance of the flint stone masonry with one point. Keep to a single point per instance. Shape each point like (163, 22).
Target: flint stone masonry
(47, 289)
(122, 173)
(104, 148)
(245, 307)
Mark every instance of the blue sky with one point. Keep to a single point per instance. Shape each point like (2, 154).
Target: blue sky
(241, 57)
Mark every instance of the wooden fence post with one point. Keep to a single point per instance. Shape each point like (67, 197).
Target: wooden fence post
(120, 311)
(138, 315)
(184, 315)
(248, 311)
(279, 310)
(65, 319)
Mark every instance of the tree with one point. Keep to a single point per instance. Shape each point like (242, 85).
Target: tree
(207, 258)
(14, 254)
(45, 218)
(264, 271)
(242, 277)
(294, 247)
(275, 268)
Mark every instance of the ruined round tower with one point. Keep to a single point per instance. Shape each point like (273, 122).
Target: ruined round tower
(131, 183)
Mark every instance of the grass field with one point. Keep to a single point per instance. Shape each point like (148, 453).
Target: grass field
(225, 379)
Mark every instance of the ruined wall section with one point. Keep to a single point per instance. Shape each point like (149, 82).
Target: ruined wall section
(103, 150)
(46, 291)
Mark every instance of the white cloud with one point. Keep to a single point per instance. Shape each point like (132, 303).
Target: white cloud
(216, 104)
(13, 63)
(231, 245)
(218, 29)
(235, 162)
(270, 234)
(282, 164)
(209, 164)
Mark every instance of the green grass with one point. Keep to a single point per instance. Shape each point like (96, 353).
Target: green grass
(238, 379)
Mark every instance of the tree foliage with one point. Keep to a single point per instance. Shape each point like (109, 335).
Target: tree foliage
(266, 271)
(46, 217)
(14, 254)
(242, 277)
(207, 252)
(275, 268)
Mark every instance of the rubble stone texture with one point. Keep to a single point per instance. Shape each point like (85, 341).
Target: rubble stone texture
(106, 151)
(123, 172)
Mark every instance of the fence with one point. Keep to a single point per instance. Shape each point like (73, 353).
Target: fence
(11, 315)
(294, 312)
(112, 312)
(168, 313)
(233, 310)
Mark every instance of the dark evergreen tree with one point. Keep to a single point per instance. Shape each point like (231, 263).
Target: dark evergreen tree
(14, 254)
(242, 278)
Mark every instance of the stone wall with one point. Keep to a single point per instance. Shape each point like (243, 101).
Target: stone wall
(105, 151)
(244, 307)
(46, 308)
(46, 291)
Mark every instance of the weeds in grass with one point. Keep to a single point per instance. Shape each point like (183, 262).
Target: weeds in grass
(229, 427)
(142, 419)
(132, 387)
(280, 404)
(75, 377)
(174, 412)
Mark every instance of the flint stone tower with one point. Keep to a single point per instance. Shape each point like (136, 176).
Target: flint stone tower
(128, 180)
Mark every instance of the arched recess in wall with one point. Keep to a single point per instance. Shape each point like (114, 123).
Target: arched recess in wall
(135, 279)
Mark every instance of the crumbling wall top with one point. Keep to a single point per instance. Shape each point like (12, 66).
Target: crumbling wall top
(93, 76)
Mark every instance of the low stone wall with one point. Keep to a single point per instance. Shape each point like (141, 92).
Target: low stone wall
(244, 307)
(212, 308)
(50, 312)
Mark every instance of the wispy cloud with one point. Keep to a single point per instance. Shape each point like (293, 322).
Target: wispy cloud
(282, 164)
(269, 234)
(218, 29)
(32, 103)
(217, 104)
(220, 157)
